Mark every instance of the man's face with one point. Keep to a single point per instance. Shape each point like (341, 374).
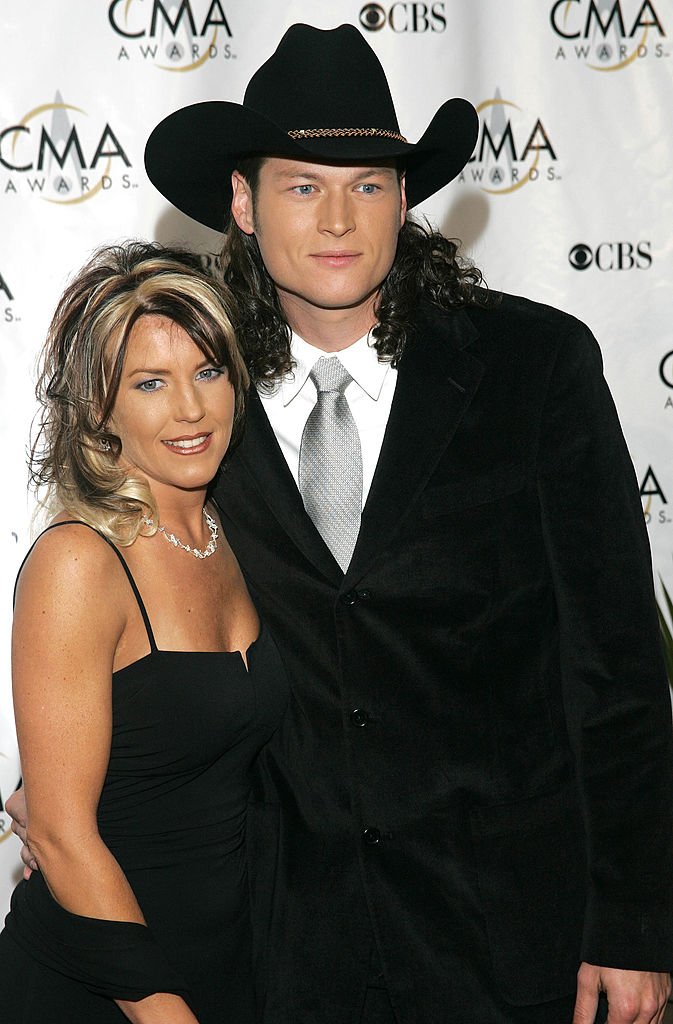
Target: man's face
(327, 233)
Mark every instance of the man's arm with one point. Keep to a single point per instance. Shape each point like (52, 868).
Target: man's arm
(615, 691)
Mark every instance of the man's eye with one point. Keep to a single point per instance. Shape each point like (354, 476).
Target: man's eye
(303, 190)
(368, 188)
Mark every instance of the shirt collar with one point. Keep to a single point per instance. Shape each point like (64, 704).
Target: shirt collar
(360, 359)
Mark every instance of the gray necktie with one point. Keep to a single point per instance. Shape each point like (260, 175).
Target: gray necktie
(330, 462)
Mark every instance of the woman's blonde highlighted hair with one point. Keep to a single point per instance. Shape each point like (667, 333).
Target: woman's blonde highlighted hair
(75, 453)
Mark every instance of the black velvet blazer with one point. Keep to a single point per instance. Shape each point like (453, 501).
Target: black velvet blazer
(475, 767)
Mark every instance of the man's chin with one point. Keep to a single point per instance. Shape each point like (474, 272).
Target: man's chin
(328, 303)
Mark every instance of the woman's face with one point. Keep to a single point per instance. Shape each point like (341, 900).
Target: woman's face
(174, 410)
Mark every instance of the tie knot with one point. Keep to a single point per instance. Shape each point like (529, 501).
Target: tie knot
(329, 374)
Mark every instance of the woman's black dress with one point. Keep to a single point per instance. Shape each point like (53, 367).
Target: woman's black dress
(187, 727)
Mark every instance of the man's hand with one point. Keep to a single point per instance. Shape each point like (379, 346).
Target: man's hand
(16, 808)
(634, 997)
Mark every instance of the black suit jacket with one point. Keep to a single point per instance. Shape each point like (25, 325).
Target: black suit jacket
(475, 767)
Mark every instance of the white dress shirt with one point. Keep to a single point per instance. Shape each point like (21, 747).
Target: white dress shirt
(369, 395)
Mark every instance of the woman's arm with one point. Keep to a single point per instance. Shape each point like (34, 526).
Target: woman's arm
(69, 617)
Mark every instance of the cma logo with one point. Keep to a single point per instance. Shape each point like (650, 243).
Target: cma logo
(612, 256)
(651, 490)
(580, 22)
(186, 35)
(666, 370)
(7, 314)
(4, 288)
(152, 23)
(513, 149)
(56, 152)
(404, 17)
(610, 32)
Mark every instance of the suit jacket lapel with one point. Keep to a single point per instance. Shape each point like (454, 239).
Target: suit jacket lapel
(262, 457)
(436, 382)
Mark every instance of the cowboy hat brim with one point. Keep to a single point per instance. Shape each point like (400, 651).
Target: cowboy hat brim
(191, 154)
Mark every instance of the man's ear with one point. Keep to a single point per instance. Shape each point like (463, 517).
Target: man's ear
(403, 194)
(241, 203)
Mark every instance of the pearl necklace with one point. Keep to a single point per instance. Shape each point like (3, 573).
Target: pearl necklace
(210, 547)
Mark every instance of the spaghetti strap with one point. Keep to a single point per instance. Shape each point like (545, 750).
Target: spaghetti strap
(129, 575)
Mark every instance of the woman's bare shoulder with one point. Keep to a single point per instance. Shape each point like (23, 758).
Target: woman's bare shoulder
(71, 565)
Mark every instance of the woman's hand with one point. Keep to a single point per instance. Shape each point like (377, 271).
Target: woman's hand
(161, 1008)
(18, 812)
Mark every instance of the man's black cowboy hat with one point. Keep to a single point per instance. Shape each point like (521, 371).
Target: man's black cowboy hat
(322, 95)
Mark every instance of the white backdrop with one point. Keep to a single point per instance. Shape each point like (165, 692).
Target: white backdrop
(568, 198)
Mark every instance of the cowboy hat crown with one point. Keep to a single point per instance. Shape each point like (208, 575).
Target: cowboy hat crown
(322, 95)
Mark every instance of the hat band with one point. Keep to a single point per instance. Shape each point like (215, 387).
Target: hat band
(334, 133)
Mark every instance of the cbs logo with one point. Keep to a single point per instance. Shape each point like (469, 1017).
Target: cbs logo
(611, 256)
(404, 17)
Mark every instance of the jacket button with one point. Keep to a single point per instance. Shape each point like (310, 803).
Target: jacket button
(359, 717)
(352, 597)
(371, 836)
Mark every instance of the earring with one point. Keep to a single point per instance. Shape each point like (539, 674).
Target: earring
(104, 445)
